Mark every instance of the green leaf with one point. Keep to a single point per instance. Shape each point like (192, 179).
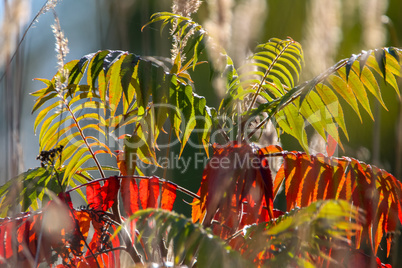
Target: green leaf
(142, 85)
(126, 72)
(42, 100)
(50, 141)
(95, 66)
(160, 99)
(292, 122)
(174, 112)
(115, 86)
(332, 104)
(42, 114)
(44, 91)
(28, 188)
(369, 81)
(87, 105)
(53, 130)
(358, 89)
(69, 150)
(189, 240)
(185, 104)
(346, 92)
(203, 122)
(77, 71)
(71, 169)
(74, 161)
(303, 235)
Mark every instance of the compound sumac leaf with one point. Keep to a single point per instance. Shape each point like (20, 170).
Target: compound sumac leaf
(375, 191)
(236, 188)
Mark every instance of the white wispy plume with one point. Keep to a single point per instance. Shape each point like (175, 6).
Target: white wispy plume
(50, 5)
(233, 25)
(61, 49)
(184, 8)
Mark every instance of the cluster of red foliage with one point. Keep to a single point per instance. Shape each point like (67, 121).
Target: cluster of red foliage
(230, 197)
(31, 238)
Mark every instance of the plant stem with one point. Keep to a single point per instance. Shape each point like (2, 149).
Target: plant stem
(297, 94)
(181, 189)
(83, 137)
(267, 73)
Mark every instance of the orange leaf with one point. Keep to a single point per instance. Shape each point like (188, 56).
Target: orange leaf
(292, 164)
(197, 213)
(271, 149)
(83, 220)
(149, 192)
(168, 195)
(280, 176)
(129, 194)
(121, 163)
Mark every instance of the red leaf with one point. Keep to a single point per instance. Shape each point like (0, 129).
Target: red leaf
(114, 256)
(82, 228)
(66, 198)
(267, 186)
(94, 245)
(311, 167)
(94, 196)
(129, 194)
(103, 197)
(109, 192)
(197, 212)
(149, 192)
(373, 190)
(294, 177)
(236, 188)
(2, 248)
(280, 176)
(8, 236)
(168, 195)
(23, 235)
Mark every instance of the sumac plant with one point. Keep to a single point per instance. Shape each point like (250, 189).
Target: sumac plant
(339, 210)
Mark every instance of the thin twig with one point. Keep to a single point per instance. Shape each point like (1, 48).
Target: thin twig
(102, 173)
(181, 189)
(105, 251)
(22, 39)
(267, 73)
(318, 80)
